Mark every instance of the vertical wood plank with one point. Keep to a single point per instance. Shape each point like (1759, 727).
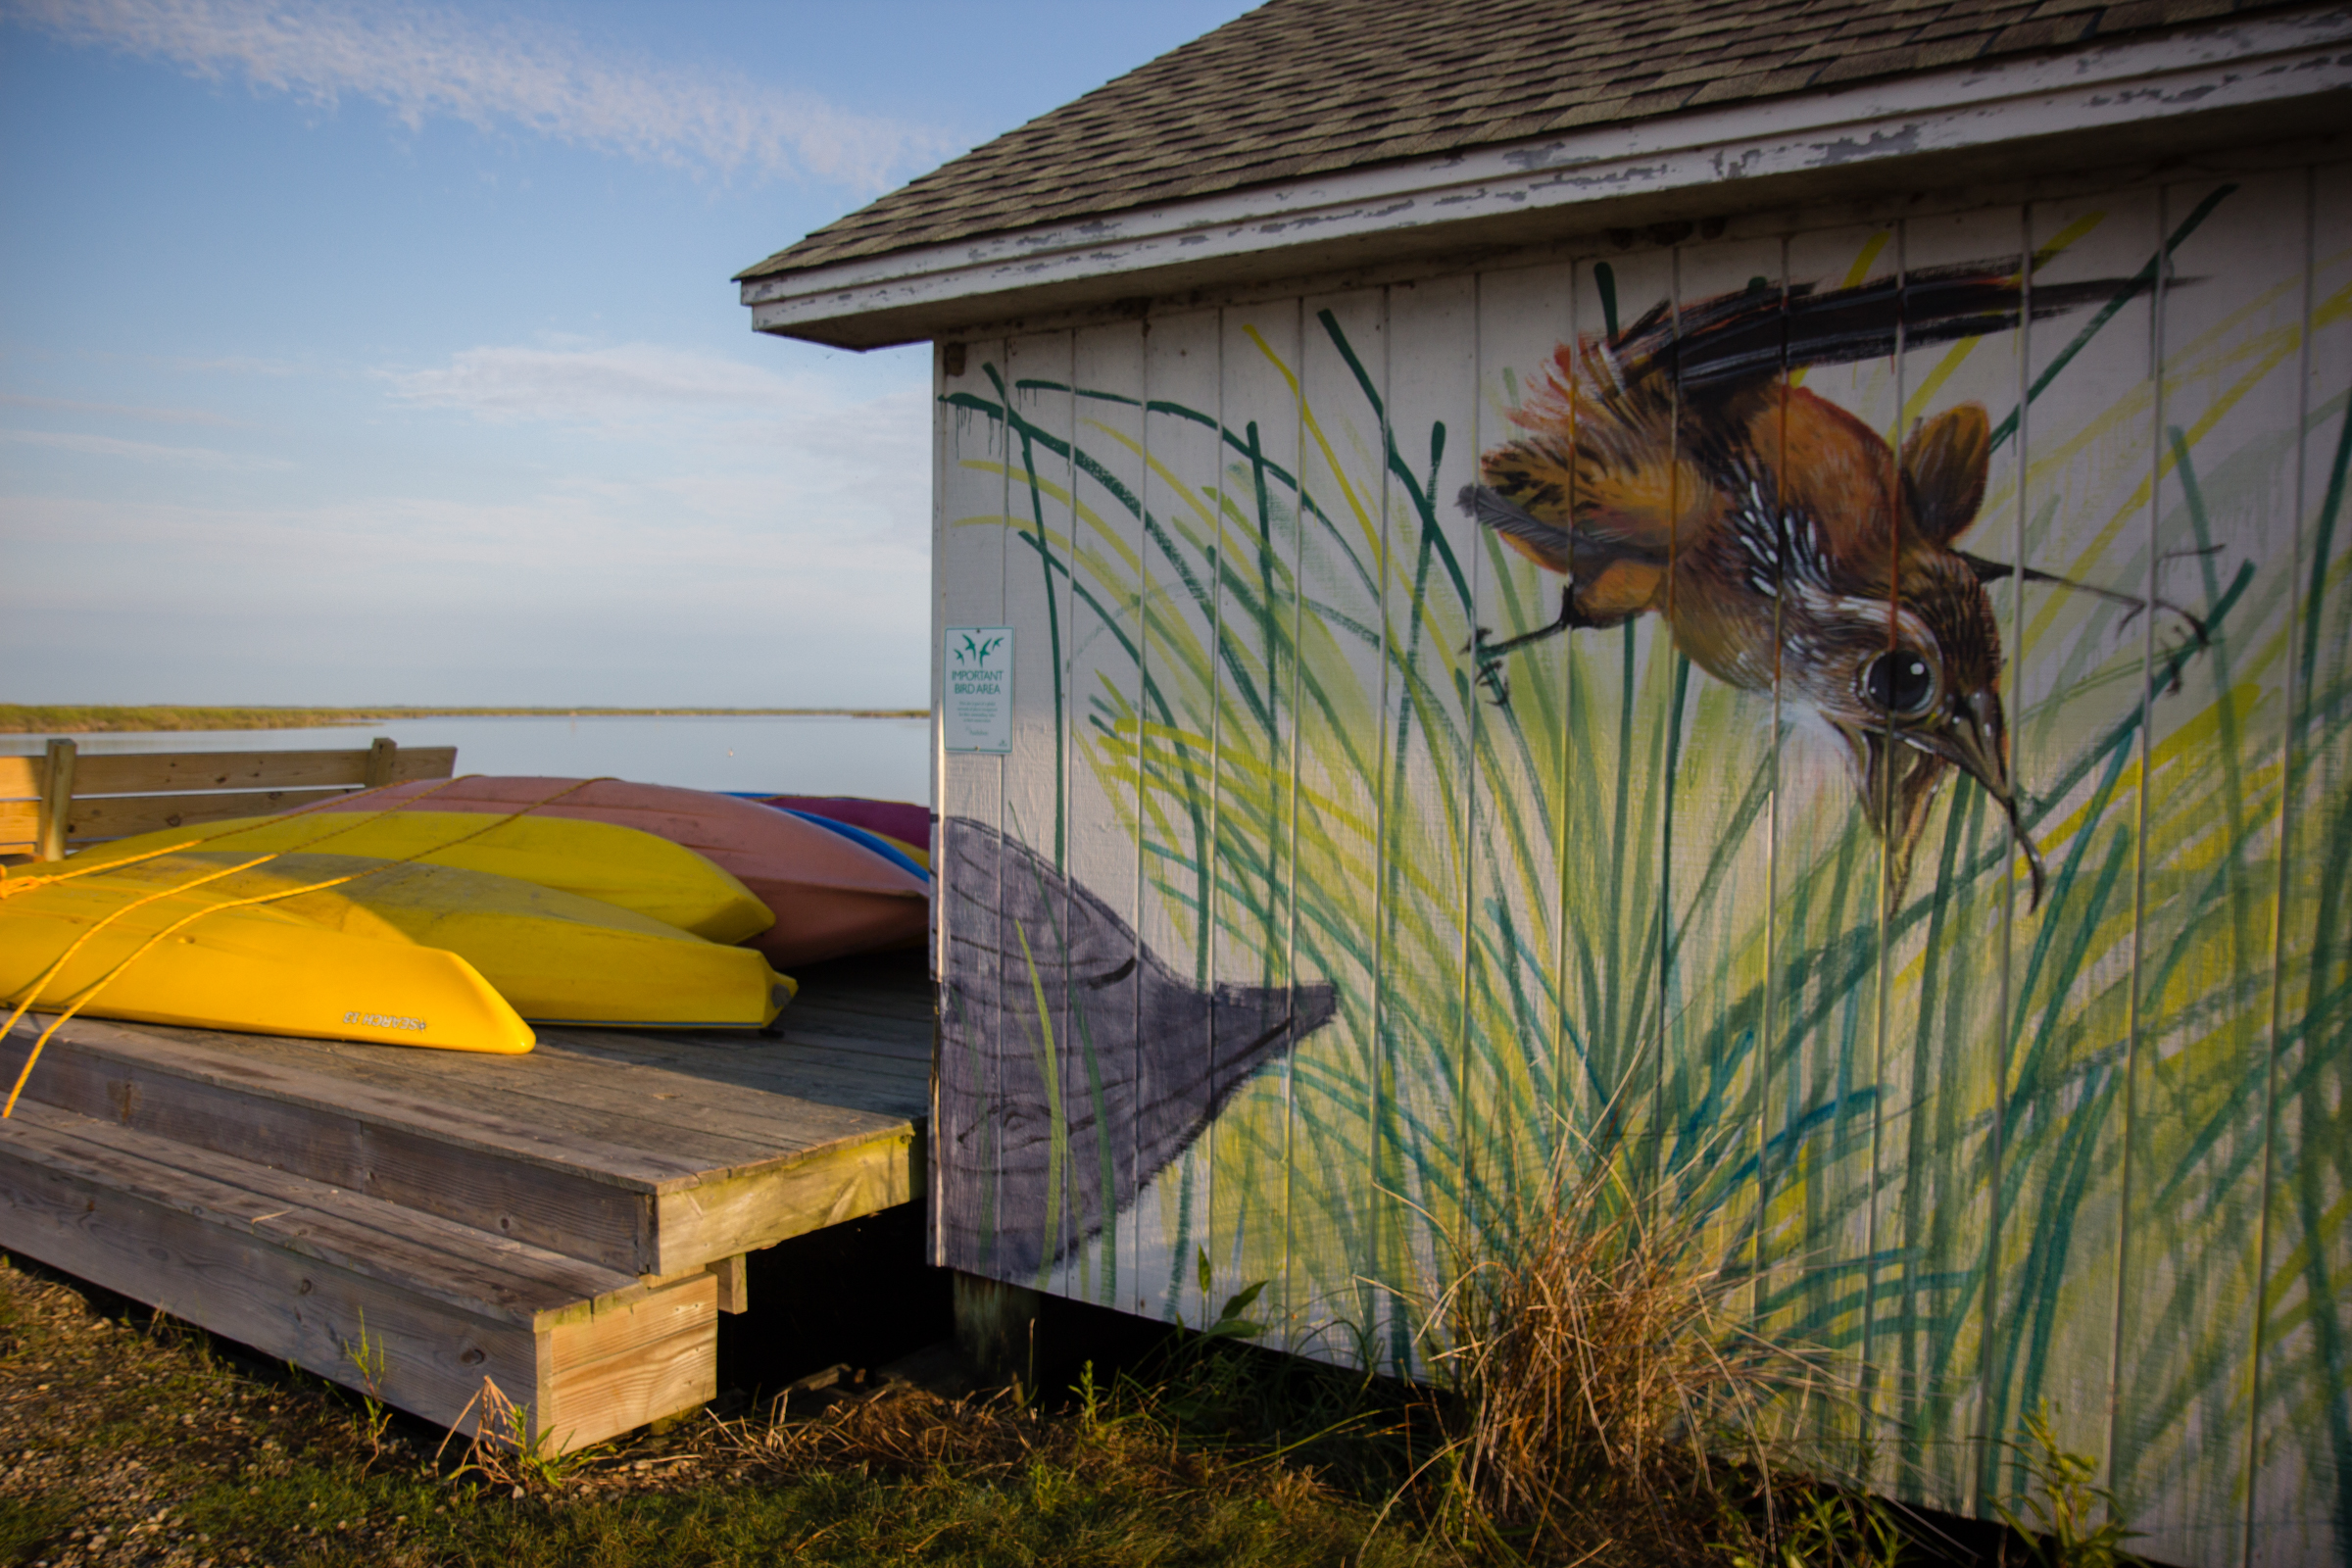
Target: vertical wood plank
(1715, 867)
(1830, 889)
(943, 426)
(1514, 1062)
(56, 801)
(970, 565)
(2075, 736)
(1618, 751)
(1431, 396)
(1178, 758)
(1340, 1236)
(1945, 946)
(1040, 1065)
(2299, 1507)
(2233, 346)
(1256, 733)
(1106, 714)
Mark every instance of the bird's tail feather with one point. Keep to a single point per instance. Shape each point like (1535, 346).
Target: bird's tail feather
(1764, 329)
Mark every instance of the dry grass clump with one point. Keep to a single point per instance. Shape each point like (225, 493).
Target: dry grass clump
(1124, 1437)
(1613, 1393)
(904, 1432)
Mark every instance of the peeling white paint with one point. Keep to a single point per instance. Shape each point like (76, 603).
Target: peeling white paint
(2102, 88)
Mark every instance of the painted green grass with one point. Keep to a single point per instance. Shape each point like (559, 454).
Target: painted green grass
(1550, 943)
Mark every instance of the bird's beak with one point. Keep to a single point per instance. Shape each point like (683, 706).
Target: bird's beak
(1897, 783)
(1977, 742)
(1897, 774)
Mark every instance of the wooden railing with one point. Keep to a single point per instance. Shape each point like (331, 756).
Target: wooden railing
(51, 803)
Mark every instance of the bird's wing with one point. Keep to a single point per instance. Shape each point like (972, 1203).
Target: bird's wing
(1608, 498)
(1546, 544)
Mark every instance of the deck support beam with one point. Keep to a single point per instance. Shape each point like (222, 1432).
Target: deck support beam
(996, 1331)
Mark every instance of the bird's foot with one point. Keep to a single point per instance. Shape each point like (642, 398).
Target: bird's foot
(1490, 676)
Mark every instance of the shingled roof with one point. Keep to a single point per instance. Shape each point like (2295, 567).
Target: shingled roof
(1298, 88)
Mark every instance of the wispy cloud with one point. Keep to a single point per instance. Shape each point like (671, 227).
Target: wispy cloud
(107, 446)
(120, 411)
(508, 382)
(428, 61)
(741, 440)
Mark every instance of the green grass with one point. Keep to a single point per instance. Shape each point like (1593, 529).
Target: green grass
(152, 1435)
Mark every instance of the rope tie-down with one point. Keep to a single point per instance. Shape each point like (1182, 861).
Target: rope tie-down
(9, 886)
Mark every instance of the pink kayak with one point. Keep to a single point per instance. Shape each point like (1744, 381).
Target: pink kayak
(832, 895)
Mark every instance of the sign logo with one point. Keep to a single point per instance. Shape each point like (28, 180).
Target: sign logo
(975, 686)
(969, 651)
(382, 1020)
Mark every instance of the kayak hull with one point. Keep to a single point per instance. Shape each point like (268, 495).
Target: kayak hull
(555, 957)
(253, 972)
(830, 897)
(613, 865)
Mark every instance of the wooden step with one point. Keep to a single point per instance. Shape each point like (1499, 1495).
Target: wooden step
(328, 1278)
(645, 1153)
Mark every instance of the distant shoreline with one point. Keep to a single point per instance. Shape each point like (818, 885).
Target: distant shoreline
(18, 718)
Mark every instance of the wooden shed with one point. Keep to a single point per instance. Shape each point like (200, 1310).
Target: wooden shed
(1754, 598)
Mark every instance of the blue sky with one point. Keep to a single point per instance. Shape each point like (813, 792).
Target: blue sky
(361, 352)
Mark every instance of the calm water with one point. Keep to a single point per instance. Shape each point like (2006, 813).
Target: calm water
(886, 759)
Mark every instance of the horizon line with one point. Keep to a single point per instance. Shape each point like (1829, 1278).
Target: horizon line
(68, 718)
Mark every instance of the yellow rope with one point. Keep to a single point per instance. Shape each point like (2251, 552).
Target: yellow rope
(9, 886)
(33, 993)
(109, 978)
(90, 993)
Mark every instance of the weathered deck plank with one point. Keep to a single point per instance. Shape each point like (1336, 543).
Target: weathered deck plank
(560, 1222)
(581, 1147)
(318, 1276)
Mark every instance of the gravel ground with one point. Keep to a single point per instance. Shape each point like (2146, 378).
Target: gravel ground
(126, 1438)
(129, 1439)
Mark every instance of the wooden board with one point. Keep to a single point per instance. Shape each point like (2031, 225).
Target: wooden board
(600, 1221)
(114, 816)
(320, 1278)
(159, 772)
(642, 1152)
(627, 1362)
(144, 792)
(698, 1225)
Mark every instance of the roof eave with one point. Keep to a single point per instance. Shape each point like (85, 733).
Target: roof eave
(2130, 100)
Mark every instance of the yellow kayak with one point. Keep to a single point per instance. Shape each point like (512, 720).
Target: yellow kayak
(253, 970)
(555, 957)
(617, 865)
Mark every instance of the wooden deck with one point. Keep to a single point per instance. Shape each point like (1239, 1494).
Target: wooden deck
(565, 1223)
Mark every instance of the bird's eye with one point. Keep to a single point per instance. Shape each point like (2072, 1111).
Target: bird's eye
(1899, 683)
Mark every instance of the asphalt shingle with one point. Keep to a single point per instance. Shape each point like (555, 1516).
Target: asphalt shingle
(1298, 88)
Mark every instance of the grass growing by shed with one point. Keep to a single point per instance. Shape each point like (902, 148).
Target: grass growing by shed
(129, 1439)
(126, 1439)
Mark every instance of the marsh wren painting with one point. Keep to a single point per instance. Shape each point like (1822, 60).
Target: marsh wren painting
(1673, 468)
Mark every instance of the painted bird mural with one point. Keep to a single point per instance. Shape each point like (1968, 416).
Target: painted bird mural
(1672, 468)
(1075, 1064)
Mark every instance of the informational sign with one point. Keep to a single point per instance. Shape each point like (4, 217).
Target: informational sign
(976, 689)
